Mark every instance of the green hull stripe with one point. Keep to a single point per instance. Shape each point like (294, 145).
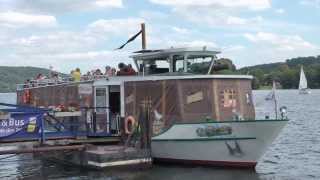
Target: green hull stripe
(240, 121)
(208, 139)
(221, 122)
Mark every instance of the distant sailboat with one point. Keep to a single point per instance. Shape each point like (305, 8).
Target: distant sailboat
(303, 84)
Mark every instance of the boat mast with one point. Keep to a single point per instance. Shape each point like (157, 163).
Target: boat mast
(143, 36)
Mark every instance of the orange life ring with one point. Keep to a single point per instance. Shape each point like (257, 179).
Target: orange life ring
(26, 96)
(129, 120)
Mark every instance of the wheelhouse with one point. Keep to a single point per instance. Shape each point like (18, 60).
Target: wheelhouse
(174, 60)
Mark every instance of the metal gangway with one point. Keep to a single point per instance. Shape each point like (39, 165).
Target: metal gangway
(20, 123)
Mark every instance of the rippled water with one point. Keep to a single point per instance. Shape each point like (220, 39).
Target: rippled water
(294, 155)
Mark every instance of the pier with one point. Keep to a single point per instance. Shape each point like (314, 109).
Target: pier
(58, 136)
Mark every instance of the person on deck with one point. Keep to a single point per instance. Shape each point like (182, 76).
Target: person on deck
(130, 70)
(98, 72)
(108, 71)
(122, 69)
(40, 77)
(113, 71)
(76, 75)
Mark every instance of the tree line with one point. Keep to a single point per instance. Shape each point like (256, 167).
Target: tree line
(287, 73)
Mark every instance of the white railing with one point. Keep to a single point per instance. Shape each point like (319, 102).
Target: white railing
(57, 81)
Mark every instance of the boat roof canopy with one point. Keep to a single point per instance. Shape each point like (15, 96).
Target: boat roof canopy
(118, 80)
(192, 52)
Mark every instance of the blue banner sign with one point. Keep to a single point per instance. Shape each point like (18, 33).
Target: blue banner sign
(19, 123)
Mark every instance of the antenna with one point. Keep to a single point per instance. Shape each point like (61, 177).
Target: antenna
(275, 98)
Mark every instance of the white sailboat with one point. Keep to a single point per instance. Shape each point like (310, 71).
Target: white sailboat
(303, 84)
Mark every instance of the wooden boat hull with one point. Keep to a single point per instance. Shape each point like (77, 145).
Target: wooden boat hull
(242, 147)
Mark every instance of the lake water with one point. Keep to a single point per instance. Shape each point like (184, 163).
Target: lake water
(294, 155)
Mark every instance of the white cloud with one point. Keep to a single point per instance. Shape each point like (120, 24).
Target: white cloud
(153, 15)
(233, 48)
(270, 47)
(53, 42)
(249, 4)
(16, 19)
(194, 43)
(180, 30)
(64, 62)
(217, 17)
(62, 41)
(108, 3)
(58, 6)
(218, 13)
(116, 26)
(232, 20)
(66, 49)
(280, 42)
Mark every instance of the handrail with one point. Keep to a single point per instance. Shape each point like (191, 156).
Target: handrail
(52, 81)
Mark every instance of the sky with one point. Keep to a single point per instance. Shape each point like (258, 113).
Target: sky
(67, 34)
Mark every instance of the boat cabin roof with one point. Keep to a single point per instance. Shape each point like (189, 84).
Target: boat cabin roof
(118, 80)
(195, 52)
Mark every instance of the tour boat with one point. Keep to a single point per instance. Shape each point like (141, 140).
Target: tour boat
(181, 113)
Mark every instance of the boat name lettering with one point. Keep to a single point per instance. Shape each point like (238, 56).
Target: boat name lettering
(214, 130)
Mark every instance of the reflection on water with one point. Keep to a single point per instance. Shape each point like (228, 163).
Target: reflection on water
(294, 155)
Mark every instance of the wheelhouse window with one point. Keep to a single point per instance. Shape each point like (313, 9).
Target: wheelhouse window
(178, 63)
(154, 66)
(199, 64)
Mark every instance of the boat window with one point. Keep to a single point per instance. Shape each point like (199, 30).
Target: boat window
(199, 65)
(101, 100)
(154, 66)
(229, 98)
(178, 63)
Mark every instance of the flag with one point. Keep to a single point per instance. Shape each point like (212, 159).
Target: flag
(129, 40)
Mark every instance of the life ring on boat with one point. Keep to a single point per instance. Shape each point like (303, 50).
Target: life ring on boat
(129, 124)
(26, 96)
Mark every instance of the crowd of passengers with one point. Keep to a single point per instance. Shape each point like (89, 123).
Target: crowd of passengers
(77, 76)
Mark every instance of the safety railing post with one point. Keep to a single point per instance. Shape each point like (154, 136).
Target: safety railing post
(42, 129)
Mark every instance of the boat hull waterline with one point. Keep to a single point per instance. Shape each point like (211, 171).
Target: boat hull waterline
(229, 144)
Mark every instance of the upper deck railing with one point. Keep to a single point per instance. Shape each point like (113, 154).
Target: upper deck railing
(57, 81)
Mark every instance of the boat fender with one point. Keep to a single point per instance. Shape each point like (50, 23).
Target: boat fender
(26, 96)
(129, 125)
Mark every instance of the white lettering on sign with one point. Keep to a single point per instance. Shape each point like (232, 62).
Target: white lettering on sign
(198, 96)
(85, 89)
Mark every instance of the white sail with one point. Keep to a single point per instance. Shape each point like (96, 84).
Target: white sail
(303, 80)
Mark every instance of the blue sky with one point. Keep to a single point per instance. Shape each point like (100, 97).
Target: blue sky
(67, 34)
